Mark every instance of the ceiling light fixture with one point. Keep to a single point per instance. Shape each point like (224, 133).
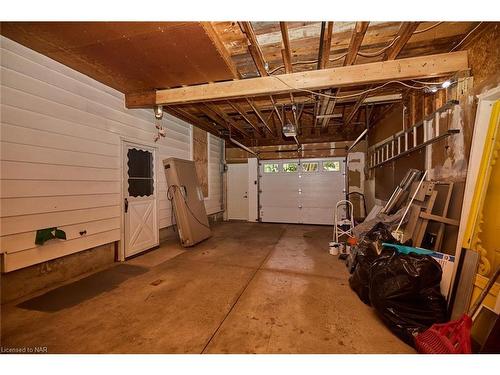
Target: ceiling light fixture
(158, 109)
(446, 84)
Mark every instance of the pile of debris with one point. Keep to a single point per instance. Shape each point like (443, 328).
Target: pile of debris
(390, 271)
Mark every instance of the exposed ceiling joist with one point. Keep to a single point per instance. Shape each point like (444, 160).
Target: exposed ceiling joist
(257, 56)
(361, 74)
(328, 106)
(190, 118)
(325, 44)
(286, 51)
(241, 111)
(254, 48)
(275, 108)
(213, 110)
(356, 40)
(354, 109)
(404, 34)
(229, 120)
(261, 117)
(357, 36)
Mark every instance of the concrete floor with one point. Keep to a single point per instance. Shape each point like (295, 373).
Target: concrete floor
(251, 288)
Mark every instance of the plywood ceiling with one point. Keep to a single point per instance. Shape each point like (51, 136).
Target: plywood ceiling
(128, 56)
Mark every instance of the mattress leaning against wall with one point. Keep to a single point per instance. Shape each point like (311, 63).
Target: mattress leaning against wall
(185, 193)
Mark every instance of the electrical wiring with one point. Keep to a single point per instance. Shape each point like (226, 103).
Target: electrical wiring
(427, 28)
(379, 52)
(170, 197)
(468, 34)
(429, 83)
(353, 95)
(306, 62)
(364, 54)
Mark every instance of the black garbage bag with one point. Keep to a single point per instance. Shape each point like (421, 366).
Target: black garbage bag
(404, 290)
(378, 234)
(360, 278)
(365, 252)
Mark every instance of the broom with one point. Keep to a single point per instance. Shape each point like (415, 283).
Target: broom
(452, 337)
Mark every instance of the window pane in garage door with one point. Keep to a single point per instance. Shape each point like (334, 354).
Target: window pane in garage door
(290, 167)
(271, 168)
(310, 166)
(331, 166)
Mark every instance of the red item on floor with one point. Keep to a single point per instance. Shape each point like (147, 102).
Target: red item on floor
(448, 338)
(352, 241)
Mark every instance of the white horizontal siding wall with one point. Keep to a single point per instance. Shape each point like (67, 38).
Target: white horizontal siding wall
(215, 156)
(60, 159)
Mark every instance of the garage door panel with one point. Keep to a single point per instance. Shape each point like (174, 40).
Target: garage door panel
(280, 215)
(317, 215)
(300, 197)
(280, 182)
(279, 200)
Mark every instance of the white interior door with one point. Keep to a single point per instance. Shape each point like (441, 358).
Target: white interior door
(140, 199)
(237, 191)
(301, 191)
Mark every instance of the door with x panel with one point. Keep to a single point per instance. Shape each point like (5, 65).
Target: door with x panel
(140, 199)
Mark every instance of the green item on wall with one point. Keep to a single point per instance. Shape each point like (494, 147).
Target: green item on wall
(43, 235)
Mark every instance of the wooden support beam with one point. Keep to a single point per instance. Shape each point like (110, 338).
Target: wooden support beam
(141, 99)
(256, 53)
(218, 119)
(402, 69)
(261, 117)
(192, 119)
(286, 52)
(275, 108)
(243, 114)
(277, 125)
(213, 109)
(355, 108)
(254, 48)
(404, 34)
(328, 106)
(356, 40)
(325, 44)
(219, 46)
(207, 111)
(439, 219)
(323, 58)
(357, 36)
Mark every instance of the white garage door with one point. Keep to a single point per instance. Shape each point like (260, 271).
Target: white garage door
(301, 191)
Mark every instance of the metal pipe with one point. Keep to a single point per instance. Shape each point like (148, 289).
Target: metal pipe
(294, 112)
(411, 201)
(242, 146)
(306, 149)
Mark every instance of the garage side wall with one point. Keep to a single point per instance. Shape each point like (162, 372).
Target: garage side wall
(61, 134)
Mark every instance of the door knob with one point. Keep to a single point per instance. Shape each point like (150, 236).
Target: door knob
(126, 205)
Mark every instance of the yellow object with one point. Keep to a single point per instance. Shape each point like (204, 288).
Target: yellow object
(479, 285)
(475, 235)
(483, 225)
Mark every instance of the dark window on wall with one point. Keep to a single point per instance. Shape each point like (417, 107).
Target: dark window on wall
(140, 173)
